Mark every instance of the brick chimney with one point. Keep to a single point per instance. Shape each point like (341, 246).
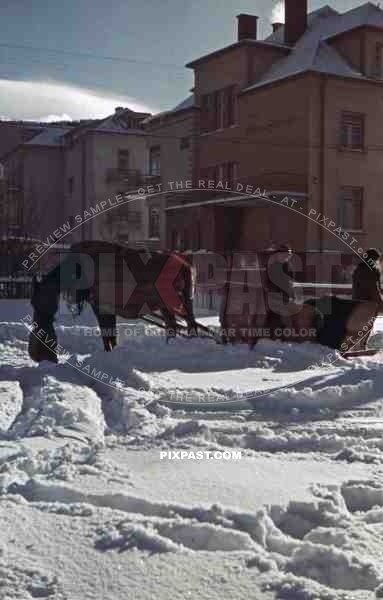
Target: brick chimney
(295, 20)
(247, 27)
(276, 26)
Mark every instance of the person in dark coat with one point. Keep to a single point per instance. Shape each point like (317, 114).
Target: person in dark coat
(366, 279)
(280, 287)
(280, 274)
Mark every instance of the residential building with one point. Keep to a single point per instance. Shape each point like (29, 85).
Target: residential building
(33, 198)
(71, 176)
(170, 142)
(105, 159)
(296, 115)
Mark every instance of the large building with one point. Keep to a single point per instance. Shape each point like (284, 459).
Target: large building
(105, 159)
(59, 175)
(294, 114)
(171, 139)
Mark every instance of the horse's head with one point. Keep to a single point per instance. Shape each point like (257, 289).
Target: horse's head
(43, 339)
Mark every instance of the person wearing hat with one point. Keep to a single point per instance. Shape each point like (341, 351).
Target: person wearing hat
(281, 273)
(280, 287)
(366, 279)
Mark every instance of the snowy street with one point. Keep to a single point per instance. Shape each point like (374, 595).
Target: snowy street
(91, 508)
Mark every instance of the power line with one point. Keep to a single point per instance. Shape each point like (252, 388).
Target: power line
(62, 66)
(94, 56)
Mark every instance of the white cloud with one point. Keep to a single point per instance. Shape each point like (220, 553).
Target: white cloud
(31, 100)
(278, 12)
(52, 118)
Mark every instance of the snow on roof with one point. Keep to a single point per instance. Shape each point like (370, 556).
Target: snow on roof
(278, 36)
(187, 103)
(51, 136)
(366, 15)
(184, 105)
(312, 53)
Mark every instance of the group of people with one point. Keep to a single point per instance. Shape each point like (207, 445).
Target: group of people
(366, 279)
(367, 293)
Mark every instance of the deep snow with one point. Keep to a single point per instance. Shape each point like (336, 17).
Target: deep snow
(88, 509)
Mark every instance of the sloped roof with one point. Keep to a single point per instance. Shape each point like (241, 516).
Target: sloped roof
(312, 53)
(120, 119)
(366, 15)
(51, 136)
(185, 104)
(118, 122)
(324, 12)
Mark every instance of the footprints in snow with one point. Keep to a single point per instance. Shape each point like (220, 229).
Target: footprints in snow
(322, 540)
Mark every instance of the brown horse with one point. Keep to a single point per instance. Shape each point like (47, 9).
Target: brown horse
(114, 280)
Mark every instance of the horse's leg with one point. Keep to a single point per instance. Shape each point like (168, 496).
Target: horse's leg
(107, 324)
(170, 322)
(189, 316)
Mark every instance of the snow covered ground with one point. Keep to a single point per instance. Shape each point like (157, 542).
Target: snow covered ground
(90, 508)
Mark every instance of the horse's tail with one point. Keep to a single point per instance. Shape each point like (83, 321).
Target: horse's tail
(73, 282)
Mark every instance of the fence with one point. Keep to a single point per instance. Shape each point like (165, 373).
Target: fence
(14, 288)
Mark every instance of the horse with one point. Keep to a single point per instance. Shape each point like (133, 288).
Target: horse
(338, 323)
(113, 280)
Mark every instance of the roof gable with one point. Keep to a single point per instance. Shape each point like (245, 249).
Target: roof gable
(312, 53)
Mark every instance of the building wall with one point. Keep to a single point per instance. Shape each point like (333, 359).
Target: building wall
(76, 201)
(372, 38)
(351, 46)
(270, 144)
(176, 168)
(359, 48)
(87, 161)
(104, 156)
(351, 167)
(14, 134)
(37, 173)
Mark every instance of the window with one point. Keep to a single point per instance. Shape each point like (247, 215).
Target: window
(70, 185)
(378, 68)
(225, 173)
(155, 161)
(154, 222)
(184, 143)
(232, 174)
(352, 131)
(231, 106)
(351, 208)
(123, 160)
(220, 175)
(218, 109)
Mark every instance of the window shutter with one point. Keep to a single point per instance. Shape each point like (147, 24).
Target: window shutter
(352, 130)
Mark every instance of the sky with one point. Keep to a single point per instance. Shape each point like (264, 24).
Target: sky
(82, 58)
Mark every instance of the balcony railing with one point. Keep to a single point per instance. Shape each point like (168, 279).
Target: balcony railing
(131, 179)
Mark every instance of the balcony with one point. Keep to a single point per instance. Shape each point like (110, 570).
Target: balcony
(131, 179)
